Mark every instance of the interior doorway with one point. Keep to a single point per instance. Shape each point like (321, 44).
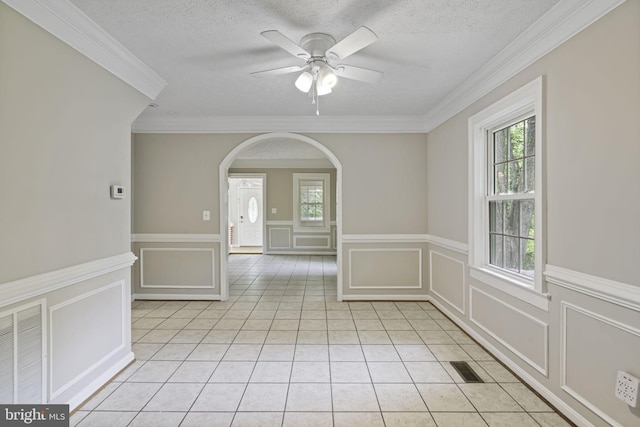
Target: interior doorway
(246, 213)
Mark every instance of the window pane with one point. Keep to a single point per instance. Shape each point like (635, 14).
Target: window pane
(495, 217)
(528, 256)
(530, 132)
(527, 223)
(500, 179)
(516, 141)
(495, 250)
(516, 178)
(511, 217)
(512, 254)
(500, 145)
(530, 165)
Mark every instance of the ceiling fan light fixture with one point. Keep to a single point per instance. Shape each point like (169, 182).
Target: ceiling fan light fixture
(327, 77)
(322, 89)
(304, 82)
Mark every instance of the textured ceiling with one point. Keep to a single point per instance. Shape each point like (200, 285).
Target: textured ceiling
(205, 50)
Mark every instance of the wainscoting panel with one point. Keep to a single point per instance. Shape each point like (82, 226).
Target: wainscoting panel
(521, 333)
(85, 332)
(447, 279)
(311, 242)
(177, 268)
(594, 348)
(279, 238)
(385, 268)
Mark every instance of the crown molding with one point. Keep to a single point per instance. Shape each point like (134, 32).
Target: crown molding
(69, 24)
(266, 124)
(566, 19)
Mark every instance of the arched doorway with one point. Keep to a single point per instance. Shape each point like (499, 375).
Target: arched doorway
(224, 201)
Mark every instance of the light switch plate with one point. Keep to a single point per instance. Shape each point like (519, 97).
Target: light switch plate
(206, 215)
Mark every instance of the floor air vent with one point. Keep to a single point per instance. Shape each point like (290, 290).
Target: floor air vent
(465, 371)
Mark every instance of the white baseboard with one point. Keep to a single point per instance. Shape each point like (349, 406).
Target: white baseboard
(552, 398)
(385, 297)
(99, 382)
(176, 297)
(303, 253)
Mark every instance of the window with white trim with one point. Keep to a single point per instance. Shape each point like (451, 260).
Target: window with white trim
(505, 194)
(311, 202)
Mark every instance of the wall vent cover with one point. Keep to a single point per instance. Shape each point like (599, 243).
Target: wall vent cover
(21, 355)
(466, 372)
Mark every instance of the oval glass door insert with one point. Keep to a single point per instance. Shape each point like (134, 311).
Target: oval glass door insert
(252, 210)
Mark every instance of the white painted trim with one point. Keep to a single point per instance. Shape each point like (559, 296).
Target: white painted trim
(213, 268)
(558, 25)
(623, 294)
(326, 202)
(418, 250)
(452, 245)
(262, 124)
(551, 397)
(384, 238)
(177, 297)
(288, 238)
(503, 284)
(283, 222)
(22, 289)
(69, 24)
(174, 238)
(544, 370)
(373, 297)
(123, 334)
(433, 291)
(334, 236)
(95, 385)
(563, 355)
(296, 246)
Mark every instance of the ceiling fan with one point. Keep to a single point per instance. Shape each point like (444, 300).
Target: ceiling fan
(319, 51)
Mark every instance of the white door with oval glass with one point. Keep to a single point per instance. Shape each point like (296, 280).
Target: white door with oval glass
(250, 217)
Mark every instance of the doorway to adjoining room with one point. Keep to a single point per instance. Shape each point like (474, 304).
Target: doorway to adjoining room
(246, 213)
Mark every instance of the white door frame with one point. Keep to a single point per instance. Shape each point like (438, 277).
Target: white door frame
(263, 207)
(224, 202)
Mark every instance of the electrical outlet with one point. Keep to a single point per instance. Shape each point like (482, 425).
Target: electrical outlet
(627, 388)
(206, 215)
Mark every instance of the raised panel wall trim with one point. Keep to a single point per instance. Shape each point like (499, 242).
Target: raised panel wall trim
(373, 297)
(384, 238)
(213, 268)
(433, 291)
(419, 285)
(22, 289)
(614, 292)
(298, 237)
(452, 245)
(545, 392)
(565, 306)
(544, 370)
(52, 342)
(288, 230)
(280, 222)
(69, 24)
(174, 238)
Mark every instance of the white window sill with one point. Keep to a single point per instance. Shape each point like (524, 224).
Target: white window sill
(517, 288)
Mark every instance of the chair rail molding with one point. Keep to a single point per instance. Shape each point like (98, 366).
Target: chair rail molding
(619, 293)
(22, 289)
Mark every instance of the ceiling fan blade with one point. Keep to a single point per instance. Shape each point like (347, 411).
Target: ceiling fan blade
(285, 43)
(356, 73)
(359, 39)
(278, 71)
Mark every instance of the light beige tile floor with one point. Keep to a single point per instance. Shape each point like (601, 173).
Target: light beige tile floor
(283, 352)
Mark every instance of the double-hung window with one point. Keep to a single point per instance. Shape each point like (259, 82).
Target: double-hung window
(505, 195)
(311, 202)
